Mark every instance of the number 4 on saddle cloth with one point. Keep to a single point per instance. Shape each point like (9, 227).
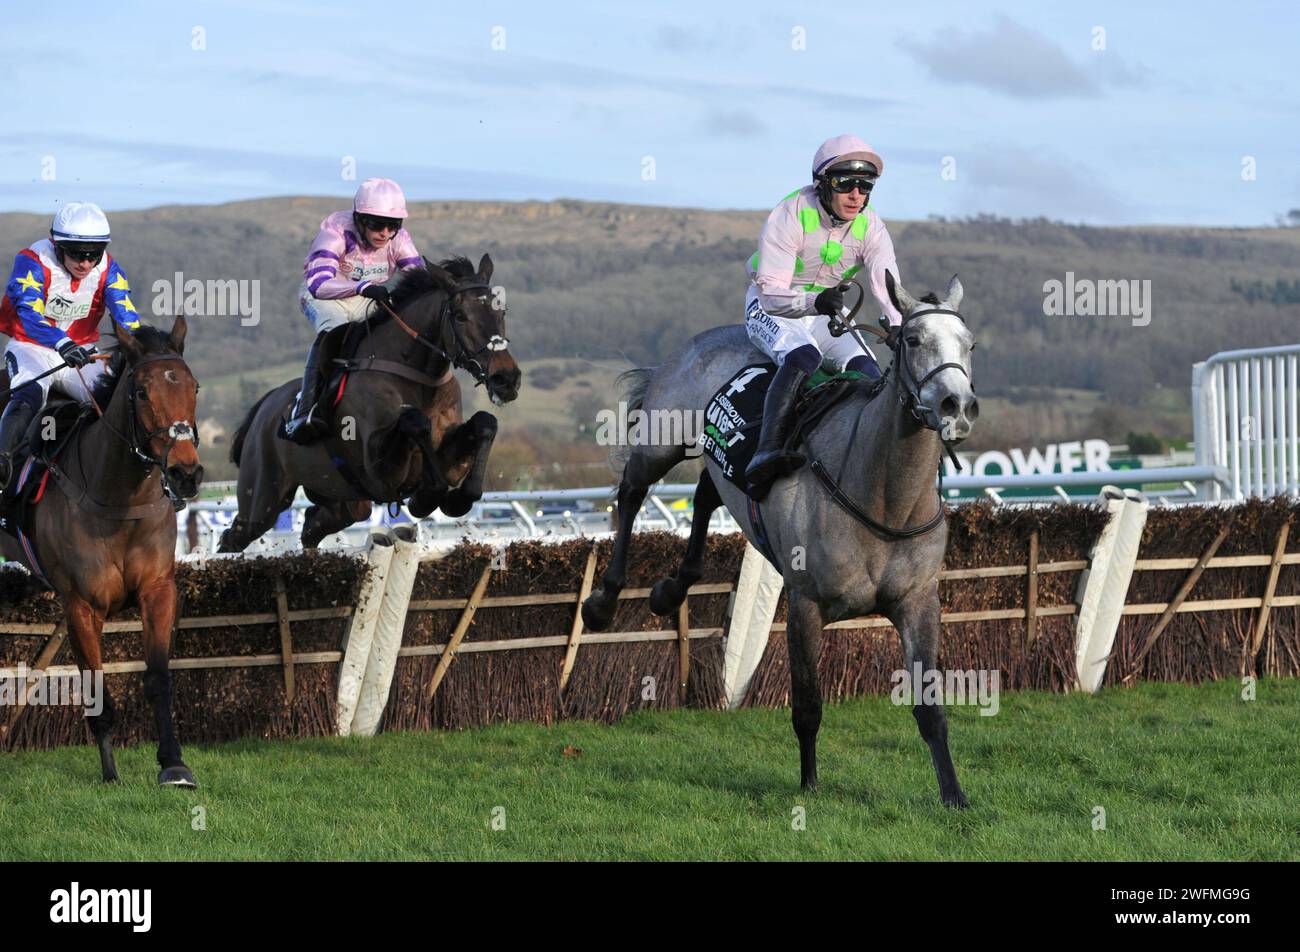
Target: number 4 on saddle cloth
(32, 460)
(734, 416)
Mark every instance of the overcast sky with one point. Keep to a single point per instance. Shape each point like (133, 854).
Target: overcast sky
(1012, 109)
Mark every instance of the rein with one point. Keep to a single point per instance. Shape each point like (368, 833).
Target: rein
(464, 358)
(909, 396)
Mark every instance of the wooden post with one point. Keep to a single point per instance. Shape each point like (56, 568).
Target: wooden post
(458, 635)
(1261, 620)
(52, 646)
(683, 647)
(47, 653)
(1031, 595)
(286, 640)
(575, 630)
(1183, 591)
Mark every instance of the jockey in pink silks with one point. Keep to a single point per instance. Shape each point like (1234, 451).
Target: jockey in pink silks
(818, 237)
(346, 269)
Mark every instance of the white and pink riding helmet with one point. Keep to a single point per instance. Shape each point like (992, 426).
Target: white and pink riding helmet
(380, 197)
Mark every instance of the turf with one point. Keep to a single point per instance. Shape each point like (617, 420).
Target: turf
(1182, 773)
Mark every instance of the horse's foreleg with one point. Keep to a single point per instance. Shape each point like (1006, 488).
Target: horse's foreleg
(917, 621)
(158, 615)
(803, 635)
(85, 625)
(472, 443)
(668, 594)
(414, 426)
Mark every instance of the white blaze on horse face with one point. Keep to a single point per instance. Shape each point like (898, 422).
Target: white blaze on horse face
(945, 339)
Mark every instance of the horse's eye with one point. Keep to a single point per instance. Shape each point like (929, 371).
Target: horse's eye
(913, 341)
(972, 344)
(141, 394)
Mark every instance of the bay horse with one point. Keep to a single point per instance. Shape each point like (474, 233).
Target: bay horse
(869, 539)
(399, 431)
(104, 531)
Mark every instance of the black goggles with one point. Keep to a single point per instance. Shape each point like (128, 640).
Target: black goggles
(376, 223)
(79, 251)
(847, 183)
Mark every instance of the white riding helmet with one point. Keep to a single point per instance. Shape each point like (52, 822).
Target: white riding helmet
(80, 221)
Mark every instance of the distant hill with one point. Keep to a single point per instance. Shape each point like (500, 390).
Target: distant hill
(615, 283)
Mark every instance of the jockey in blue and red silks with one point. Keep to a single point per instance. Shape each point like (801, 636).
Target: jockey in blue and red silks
(59, 289)
(346, 269)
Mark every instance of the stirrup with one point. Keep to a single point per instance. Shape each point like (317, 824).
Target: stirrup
(304, 428)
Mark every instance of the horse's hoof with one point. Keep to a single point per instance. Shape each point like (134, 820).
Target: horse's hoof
(456, 505)
(178, 776)
(110, 777)
(957, 802)
(594, 613)
(662, 600)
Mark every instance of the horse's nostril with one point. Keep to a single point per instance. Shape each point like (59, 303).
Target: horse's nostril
(973, 410)
(948, 406)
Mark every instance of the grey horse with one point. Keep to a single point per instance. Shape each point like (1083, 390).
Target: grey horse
(882, 454)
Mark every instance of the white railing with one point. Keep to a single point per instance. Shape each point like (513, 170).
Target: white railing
(1245, 407)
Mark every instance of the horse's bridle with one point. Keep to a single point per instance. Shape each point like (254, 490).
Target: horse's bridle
(464, 358)
(909, 387)
(178, 430)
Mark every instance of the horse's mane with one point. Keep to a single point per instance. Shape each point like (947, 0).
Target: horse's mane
(151, 341)
(419, 281)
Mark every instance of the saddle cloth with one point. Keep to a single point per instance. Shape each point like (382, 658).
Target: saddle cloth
(734, 415)
(31, 468)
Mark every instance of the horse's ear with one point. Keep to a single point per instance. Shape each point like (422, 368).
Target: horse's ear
(178, 334)
(955, 293)
(898, 295)
(485, 268)
(127, 340)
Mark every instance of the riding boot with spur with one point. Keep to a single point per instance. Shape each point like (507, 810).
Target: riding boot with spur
(771, 460)
(17, 417)
(308, 424)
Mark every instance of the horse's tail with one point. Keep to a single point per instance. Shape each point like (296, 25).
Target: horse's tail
(237, 444)
(633, 383)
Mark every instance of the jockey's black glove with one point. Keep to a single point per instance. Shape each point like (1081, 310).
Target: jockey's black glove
(830, 302)
(73, 354)
(376, 292)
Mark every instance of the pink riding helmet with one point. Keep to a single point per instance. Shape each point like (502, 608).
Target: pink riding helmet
(381, 197)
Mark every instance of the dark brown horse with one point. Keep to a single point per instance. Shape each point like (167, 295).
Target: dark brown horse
(105, 529)
(398, 432)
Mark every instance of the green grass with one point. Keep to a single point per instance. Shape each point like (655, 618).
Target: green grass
(1183, 773)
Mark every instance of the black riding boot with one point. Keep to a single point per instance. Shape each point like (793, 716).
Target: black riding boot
(17, 417)
(308, 423)
(771, 461)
